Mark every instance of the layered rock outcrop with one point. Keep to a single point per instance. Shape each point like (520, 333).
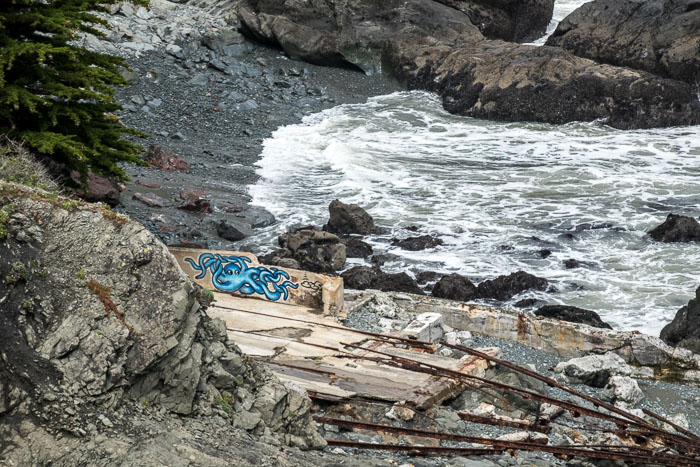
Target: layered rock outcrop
(436, 47)
(659, 36)
(98, 321)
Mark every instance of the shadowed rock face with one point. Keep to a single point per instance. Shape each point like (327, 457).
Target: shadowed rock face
(572, 314)
(97, 318)
(659, 36)
(437, 47)
(684, 330)
(677, 228)
(365, 277)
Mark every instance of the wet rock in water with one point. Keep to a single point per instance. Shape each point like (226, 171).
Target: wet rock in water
(571, 263)
(677, 228)
(314, 251)
(684, 330)
(422, 242)
(544, 253)
(229, 232)
(365, 277)
(424, 277)
(191, 195)
(147, 184)
(150, 199)
(380, 260)
(201, 206)
(572, 314)
(506, 287)
(659, 36)
(347, 219)
(356, 248)
(99, 189)
(528, 303)
(455, 287)
(164, 159)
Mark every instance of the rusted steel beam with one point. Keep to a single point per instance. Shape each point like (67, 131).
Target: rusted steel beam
(639, 455)
(416, 450)
(675, 426)
(522, 424)
(552, 382)
(403, 362)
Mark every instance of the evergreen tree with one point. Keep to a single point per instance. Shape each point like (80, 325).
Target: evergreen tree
(59, 98)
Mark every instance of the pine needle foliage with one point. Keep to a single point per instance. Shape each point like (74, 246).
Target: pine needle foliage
(59, 98)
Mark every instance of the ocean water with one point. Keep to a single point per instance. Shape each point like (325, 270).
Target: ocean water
(499, 193)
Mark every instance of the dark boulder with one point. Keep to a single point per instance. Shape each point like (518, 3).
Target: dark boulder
(229, 232)
(424, 277)
(572, 314)
(455, 287)
(571, 263)
(190, 195)
(659, 36)
(347, 219)
(315, 251)
(677, 228)
(365, 277)
(380, 260)
(684, 330)
(150, 199)
(506, 287)
(422, 242)
(356, 248)
(528, 303)
(99, 189)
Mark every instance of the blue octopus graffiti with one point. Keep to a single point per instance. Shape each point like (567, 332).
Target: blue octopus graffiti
(232, 274)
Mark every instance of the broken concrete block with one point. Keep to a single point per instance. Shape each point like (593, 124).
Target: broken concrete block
(594, 370)
(400, 412)
(425, 327)
(457, 337)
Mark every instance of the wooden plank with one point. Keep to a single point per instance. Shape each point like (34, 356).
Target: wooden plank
(241, 274)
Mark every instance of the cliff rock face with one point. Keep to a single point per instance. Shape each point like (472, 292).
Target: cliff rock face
(443, 47)
(659, 36)
(99, 328)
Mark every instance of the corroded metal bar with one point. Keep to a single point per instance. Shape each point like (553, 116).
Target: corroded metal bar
(675, 426)
(416, 450)
(639, 455)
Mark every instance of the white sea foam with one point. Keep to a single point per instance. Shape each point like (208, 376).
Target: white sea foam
(497, 193)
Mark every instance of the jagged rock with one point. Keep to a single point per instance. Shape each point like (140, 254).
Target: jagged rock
(455, 287)
(684, 330)
(510, 20)
(201, 206)
(506, 287)
(356, 248)
(164, 159)
(572, 314)
(502, 81)
(314, 251)
(435, 47)
(659, 36)
(422, 242)
(190, 195)
(425, 277)
(625, 389)
(677, 228)
(594, 370)
(364, 277)
(349, 219)
(105, 316)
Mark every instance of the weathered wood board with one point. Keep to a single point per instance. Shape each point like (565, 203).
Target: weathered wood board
(240, 273)
(313, 355)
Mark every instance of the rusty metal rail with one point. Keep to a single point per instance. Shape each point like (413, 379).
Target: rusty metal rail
(402, 362)
(635, 455)
(416, 450)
